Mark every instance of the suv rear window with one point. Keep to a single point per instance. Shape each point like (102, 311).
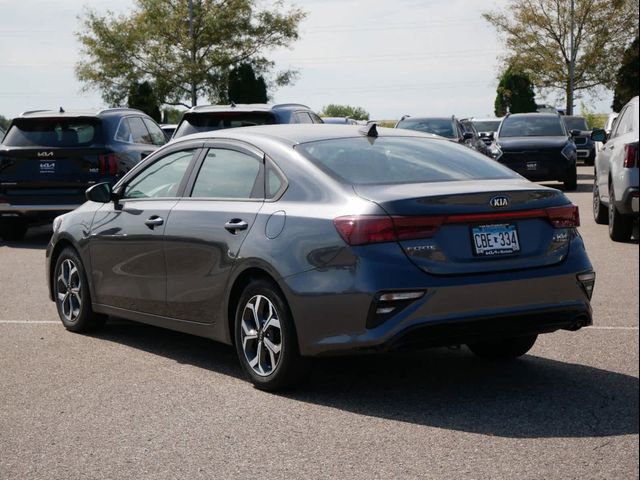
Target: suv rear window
(52, 132)
(206, 122)
(389, 160)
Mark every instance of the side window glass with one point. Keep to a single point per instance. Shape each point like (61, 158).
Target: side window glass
(162, 178)
(228, 174)
(274, 182)
(124, 132)
(157, 135)
(620, 124)
(315, 118)
(303, 117)
(139, 132)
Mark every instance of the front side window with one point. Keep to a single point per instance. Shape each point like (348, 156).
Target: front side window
(531, 126)
(162, 178)
(228, 174)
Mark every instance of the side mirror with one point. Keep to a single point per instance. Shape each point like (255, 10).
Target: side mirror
(100, 193)
(575, 133)
(599, 135)
(467, 135)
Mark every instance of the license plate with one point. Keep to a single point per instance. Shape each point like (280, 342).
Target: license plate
(532, 165)
(489, 240)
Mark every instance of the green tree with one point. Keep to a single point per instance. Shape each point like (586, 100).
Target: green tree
(514, 93)
(4, 121)
(184, 53)
(537, 34)
(245, 87)
(627, 81)
(171, 115)
(357, 113)
(142, 97)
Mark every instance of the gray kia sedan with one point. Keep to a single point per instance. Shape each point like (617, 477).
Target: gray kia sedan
(295, 241)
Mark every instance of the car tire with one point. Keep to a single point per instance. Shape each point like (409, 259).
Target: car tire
(266, 340)
(600, 213)
(13, 229)
(620, 226)
(72, 296)
(503, 349)
(571, 182)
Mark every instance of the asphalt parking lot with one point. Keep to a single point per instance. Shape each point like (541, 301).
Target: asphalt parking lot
(138, 402)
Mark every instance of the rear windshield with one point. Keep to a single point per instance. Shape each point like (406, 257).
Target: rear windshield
(201, 122)
(52, 132)
(392, 160)
(487, 125)
(576, 123)
(532, 126)
(437, 126)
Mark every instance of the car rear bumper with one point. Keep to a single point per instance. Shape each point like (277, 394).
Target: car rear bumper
(331, 307)
(629, 203)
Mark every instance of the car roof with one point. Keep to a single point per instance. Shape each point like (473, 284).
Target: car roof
(534, 114)
(293, 134)
(429, 118)
(247, 107)
(79, 113)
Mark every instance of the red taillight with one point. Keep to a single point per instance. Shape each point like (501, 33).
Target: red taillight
(362, 230)
(108, 164)
(566, 216)
(357, 230)
(630, 155)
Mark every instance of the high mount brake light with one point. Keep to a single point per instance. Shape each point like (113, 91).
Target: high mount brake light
(367, 229)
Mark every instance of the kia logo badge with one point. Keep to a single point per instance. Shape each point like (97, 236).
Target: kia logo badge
(500, 201)
(45, 154)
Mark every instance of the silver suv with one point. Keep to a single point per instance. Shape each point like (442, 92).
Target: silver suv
(615, 186)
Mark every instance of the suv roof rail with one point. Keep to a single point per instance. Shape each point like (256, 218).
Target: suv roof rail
(115, 109)
(280, 105)
(28, 112)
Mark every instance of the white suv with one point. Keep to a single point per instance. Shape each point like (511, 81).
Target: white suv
(615, 187)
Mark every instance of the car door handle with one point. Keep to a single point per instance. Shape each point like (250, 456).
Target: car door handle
(153, 222)
(235, 225)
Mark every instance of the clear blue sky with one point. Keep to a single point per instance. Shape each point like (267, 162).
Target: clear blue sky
(418, 57)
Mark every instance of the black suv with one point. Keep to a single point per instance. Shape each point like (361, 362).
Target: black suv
(49, 158)
(581, 134)
(215, 117)
(538, 147)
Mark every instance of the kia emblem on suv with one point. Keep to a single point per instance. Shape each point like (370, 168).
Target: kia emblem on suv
(499, 201)
(45, 154)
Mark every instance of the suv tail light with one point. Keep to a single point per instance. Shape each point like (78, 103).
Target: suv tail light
(108, 164)
(367, 229)
(630, 155)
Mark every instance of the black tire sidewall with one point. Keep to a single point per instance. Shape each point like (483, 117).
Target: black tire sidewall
(289, 366)
(84, 321)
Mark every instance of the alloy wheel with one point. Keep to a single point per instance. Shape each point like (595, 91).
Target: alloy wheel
(69, 290)
(261, 335)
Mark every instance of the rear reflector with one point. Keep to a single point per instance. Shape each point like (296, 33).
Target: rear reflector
(630, 155)
(366, 229)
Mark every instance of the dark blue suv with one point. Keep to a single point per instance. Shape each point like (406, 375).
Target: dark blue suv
(49, 158)
(206, 118)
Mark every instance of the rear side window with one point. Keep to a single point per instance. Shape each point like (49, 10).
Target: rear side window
(228, 174)
(303, 117)
(53, 132)
(206, 122)
(532, 126)
(157, 135)
(392, 160)
(139, 132)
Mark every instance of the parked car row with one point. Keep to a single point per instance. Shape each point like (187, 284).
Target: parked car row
(298, 240)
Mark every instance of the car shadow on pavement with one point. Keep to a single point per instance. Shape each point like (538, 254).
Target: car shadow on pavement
(532, 397)
(36, 238)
